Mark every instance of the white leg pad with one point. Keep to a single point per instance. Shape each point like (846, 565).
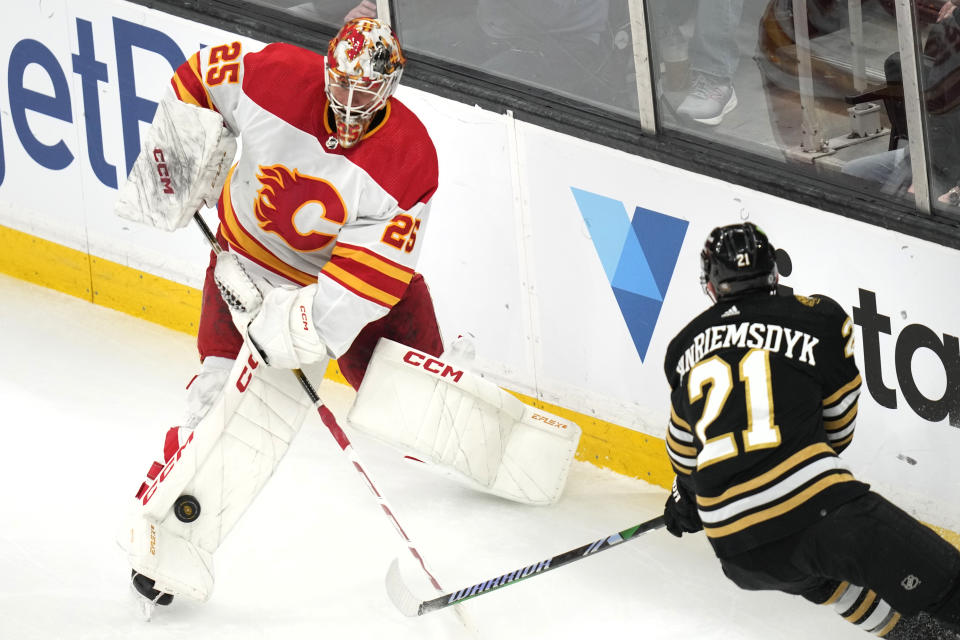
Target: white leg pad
(223, 463)
(183, 568)
(463, 425)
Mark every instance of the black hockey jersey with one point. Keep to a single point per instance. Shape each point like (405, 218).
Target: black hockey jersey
(764, 395)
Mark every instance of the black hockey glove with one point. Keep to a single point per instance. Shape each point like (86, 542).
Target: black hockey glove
(680, 513)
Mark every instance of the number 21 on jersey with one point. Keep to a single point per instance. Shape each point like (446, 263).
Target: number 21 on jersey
(754, 373)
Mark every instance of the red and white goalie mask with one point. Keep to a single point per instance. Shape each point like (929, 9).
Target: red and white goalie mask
(364, 63)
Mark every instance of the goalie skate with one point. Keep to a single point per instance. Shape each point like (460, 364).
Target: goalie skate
(146, 598)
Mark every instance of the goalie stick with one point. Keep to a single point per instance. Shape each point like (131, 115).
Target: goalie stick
(409, 605)
(330, 422)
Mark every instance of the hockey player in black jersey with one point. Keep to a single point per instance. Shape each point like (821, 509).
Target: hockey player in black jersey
(764, 393)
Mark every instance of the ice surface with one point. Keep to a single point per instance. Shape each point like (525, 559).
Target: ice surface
(87, 394)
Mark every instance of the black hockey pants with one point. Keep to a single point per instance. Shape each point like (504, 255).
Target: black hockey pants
(868, 542)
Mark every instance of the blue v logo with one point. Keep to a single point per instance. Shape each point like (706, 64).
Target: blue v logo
(638, 255)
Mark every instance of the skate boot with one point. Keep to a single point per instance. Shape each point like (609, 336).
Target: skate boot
(144, 587)
(151, 597)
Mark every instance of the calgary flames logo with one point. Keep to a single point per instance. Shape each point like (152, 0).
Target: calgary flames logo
(355, 42)
(288, 199)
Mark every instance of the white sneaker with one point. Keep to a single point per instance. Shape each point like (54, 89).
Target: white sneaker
(710, 99)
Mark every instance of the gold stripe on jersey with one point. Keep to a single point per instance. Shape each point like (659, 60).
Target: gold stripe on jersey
(842, 391)
(838, 424)
(838, 445)
(840, 430)
(680, 422)
(185, 93)
(679, 462)
(679, 452)
(680, 449)
(374, 261)
(358, 286)
(247, 246)
(778, 509)
(768, 478)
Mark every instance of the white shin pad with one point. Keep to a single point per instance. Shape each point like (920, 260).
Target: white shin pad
(223, 463)
(465, 426)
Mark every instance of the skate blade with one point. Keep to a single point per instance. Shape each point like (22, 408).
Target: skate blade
(144, 608)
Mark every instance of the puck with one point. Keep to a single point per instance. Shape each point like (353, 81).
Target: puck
(186, 508)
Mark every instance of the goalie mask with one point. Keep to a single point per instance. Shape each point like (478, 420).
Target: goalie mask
(735, 260)
(364, 63)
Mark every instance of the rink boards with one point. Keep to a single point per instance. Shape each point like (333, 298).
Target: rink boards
(566, 266)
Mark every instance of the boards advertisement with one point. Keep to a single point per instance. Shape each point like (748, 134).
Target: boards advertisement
(561, 268)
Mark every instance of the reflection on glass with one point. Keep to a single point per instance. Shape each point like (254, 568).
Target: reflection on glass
(939, 35)
(940, 80)
(580, 48)
(333, 12)
(703, 61)
(812, 83)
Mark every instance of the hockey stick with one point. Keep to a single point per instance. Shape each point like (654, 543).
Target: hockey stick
(330, 422)
(409, 605)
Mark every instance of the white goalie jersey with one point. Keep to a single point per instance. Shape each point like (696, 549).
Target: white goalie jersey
(344, 226)
(296, 206)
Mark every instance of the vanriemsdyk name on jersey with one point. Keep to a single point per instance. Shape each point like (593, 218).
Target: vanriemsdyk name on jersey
(792, 343)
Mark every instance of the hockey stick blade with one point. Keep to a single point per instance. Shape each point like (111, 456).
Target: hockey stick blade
(409, 605)
(399, 593)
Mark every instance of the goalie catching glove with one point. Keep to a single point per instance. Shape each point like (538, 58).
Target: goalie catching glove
(276, 321)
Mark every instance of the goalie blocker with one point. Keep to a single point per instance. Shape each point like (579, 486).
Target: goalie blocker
(183, 163)
(466, 427)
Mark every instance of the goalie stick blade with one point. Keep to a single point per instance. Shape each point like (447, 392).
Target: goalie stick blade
(399, 593)
(409, 605)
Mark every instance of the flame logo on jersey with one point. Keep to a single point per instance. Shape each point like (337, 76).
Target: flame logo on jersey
(289, 199)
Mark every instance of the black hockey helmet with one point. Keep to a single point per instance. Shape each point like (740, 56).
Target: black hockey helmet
(737, 259)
